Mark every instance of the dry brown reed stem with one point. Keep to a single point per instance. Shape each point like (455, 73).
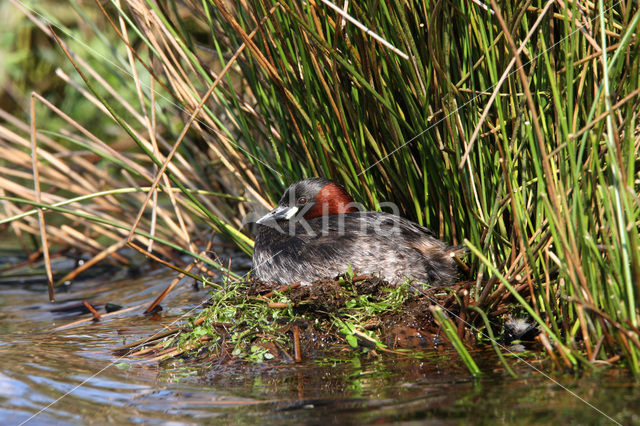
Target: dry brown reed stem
(96, 315)
(172, 228)
(36, 183)
(154, 337)
(366, 30)
(170, 287)
(544, 341)
(157, 336)
(281, 289)
(49, 32)
(88, 320)
(258, 55)
(604, 115)
(337, 110)
(173, 352)
(52, 173)
(596, 348)
(590, 57)
(632, 332)
(297, 353)
(583, 26)
(583, 329)
(57, 170)
(204, 253)
(62, 234)
(284, 352)
(278, 305)
(89, 244)
(109, 251)
(155, 258)
(145, 351)
(563, 355)
(490, 297)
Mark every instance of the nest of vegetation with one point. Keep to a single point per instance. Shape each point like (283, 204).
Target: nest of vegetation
(257, 321)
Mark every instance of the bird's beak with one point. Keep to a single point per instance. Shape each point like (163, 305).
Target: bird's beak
(279, 213)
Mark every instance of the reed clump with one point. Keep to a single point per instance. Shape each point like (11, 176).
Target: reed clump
(511, 128)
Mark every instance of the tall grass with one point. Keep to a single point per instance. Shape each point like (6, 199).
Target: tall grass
(512, 129)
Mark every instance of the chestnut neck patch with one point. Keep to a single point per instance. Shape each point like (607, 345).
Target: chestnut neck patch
(331, 199)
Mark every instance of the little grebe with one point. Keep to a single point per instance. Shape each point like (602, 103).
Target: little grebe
(317, 232)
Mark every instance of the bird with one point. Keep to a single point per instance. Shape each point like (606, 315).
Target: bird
(318, 232)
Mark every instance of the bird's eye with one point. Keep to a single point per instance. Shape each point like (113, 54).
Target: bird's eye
(302, 201)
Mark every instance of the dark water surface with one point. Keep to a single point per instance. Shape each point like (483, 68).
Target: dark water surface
(76, 371)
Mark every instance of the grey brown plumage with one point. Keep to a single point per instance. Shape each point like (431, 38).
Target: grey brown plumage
(296, 242)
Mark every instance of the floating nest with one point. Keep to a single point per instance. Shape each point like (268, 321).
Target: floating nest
(258, 321)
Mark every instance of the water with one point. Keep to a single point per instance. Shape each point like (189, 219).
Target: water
(76, 372)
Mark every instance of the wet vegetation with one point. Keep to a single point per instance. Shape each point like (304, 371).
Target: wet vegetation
(255, 321)
(509, 128)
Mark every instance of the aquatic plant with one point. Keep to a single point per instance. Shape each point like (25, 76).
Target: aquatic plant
(251, 321)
